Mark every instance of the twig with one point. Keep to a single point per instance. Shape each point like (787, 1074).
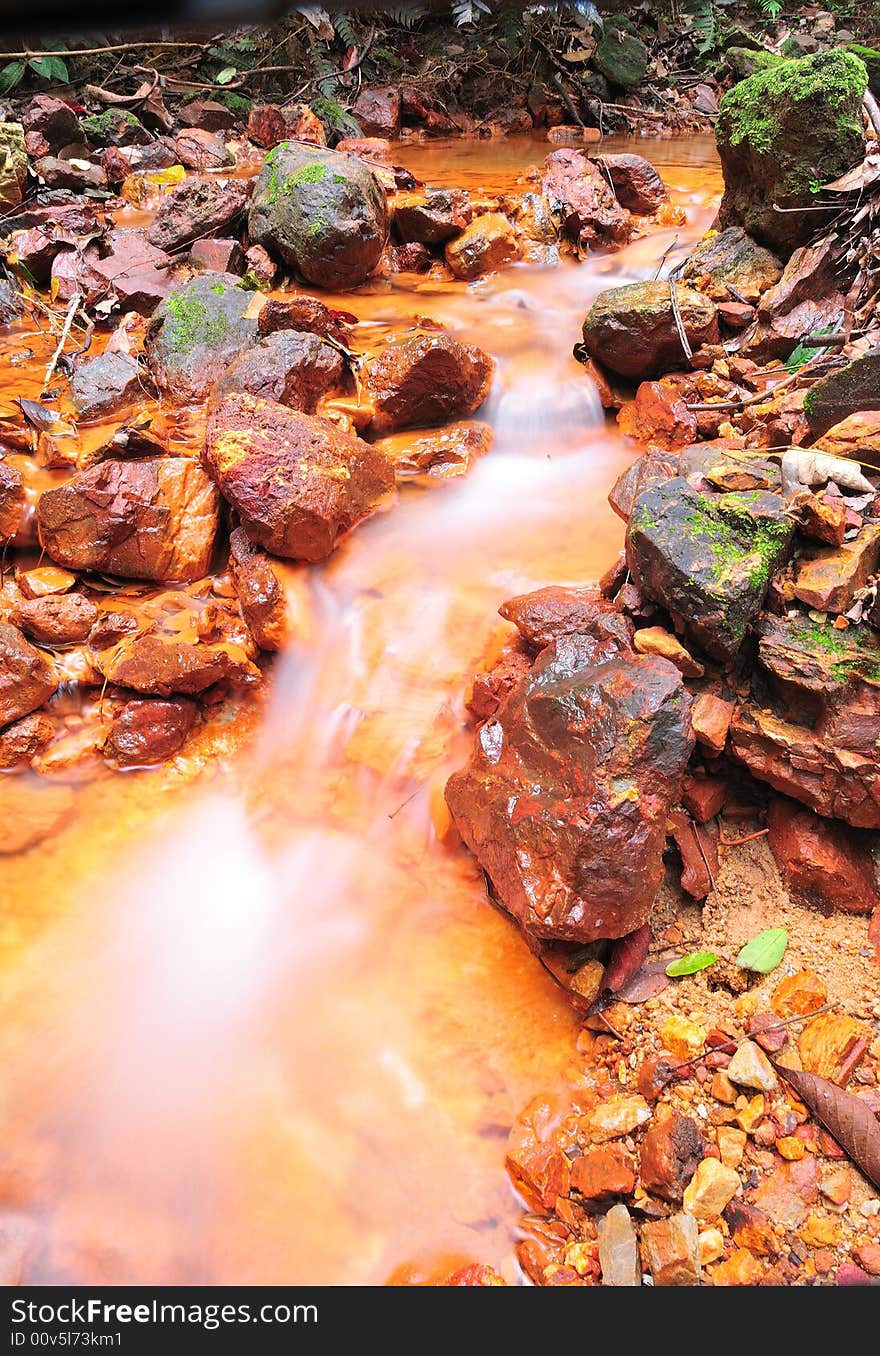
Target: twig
(72, 307)
(679, 323)
(737, 842)
(733, 1044)
(99, 51)
(872, 108)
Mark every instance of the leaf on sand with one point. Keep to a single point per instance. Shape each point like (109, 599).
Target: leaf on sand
(847, 1119)
(764, 952)
(689, 965)
(645, 983)
(627, 957)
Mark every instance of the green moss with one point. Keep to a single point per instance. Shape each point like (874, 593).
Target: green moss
(191, 323)
(854, 656)
(103, 125)
(725, 524)
(220, 288)
(319, 224)
(280, 186)
(809, 401)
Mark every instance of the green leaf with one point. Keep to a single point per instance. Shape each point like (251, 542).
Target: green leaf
(10, 76)
(764, 952)
(228, 73)
(689, 965)
(50, 68)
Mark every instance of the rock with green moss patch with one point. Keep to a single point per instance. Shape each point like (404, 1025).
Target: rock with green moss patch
(621, 56)
(781, 134)
(812, 667)
(197, 331)
(732, 258)
(632, 331)
(871, 58)
(707, 559)
(744, 61)
(320, 212)
(115, 127)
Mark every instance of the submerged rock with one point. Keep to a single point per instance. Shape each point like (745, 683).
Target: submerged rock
(197, 331)
(489, 242)
(427, 380)
(781, 132)
(565, 799)
(104, 384)
(298, 483)
(320, 212)
(631, 330)
(708, 559)
(26, 676)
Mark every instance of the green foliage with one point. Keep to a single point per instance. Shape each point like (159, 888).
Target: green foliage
(344, 30)
(700, 22)
(337, 118)
(804, 352)
(50, 68)
(406, 16)
(689, 965)
(11, 75)
(770, 9)
(764, 952)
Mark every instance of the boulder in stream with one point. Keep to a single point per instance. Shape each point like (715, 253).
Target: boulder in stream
(288, 366)
(732, 259)
(632, 331)
(197, 331)
(427, 380)
(196, 208)
(26, 676)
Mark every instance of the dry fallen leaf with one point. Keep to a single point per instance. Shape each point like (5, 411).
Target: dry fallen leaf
(849, 1120)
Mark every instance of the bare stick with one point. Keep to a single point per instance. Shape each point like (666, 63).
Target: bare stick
(72, 307)
(679, 324)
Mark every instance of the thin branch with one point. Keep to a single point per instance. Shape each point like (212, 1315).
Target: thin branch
(679, 324)
(72, 307)
(99, 51)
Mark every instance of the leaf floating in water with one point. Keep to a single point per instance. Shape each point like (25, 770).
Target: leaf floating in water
(846, 1118)
(690, 965)
(764, 952)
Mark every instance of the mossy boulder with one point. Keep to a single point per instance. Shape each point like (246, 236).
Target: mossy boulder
(781, 134)
(320, 212)
(197, 331)
(632, 331)
(871, 58)
(744, 61)
(708, 559)
(621, 56)
(115, 127)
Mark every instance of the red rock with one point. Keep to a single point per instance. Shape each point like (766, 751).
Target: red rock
(537, 1166)
(223, 255)
(655, 1073)
(786, 1194)
(377, 109)
(670, 1249)
(431, 217)
(59, 619)
(196, 208)
(35, 250)
(26, 677)
(671, 1150)
(546, 614)
(637, 185)
(442, 452)
(657, 640)
(849, 1274)
(751, 1228)
(833, 1045)
(207, 114)
(149, 732)
(492, 688)
(201, 150)
(133, 268)
(541, 803)
(260, 590)
(828, 863)
(736, 315)
(821, 517)
(603, 1172)
(23, 739)
(427, 380)
(653, 468)
(164, 664)
(49, 125)
(582, 195)
(73, 272)
(150, 519)
(260, 265)
(488, 243)
(306, 314)
(368, 148)
(411, 258)
(704, 797)
(767, 1032)
(13, 501)
(290, 367)
(699, 854)
(297, 483)
(659, 417)
(868, 1256)
(267, 125)
(828, 578)
(475, 1275)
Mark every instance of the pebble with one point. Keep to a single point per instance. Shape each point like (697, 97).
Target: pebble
(711, 1188)
(618, 1116)
(618, 1248)
(683, 1037)
(790, 1147)
(731, 1145)
(671, 1249)
(750, 1068)
(799, 994)
(711, 1243)
(750, 1116)
(722, 1089)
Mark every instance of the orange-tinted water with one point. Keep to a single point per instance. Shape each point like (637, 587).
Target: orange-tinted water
(263, 1026)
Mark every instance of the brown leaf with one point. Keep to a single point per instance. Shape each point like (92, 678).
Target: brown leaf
(39, 416)
(645, 983)
(849, 1120)
(628, 955)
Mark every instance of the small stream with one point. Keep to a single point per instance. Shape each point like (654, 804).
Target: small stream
(261, 1025)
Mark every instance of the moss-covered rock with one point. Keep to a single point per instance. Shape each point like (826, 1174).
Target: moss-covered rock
(115, 127)
(621, 56)
(197, 331)
(781, 134)
(871, 58)
(320, 212)
(744, 61)
(632, 329)
(732, 257)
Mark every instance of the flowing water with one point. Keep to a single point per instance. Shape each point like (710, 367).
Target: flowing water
(260, 1024)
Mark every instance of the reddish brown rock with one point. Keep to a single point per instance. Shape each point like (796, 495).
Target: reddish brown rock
(711, 717)
(671, 1250)
(821, 517)
(653, 468)
(731, 261)
(59, 619)
(490, 689)
(856, 436)
(828, 863)
(49, 125)
(377, 109)
(298, 483)
(201, 150)
(164, 665)
(26, 677)
(307, 314)
(289, 367)
(564, 802)
(267, 125)
(537, 1166)
(148, 732)
(699, 854)
(659, 417)
(441, 452)
(702, 796)
(132, 269)
(584, 199)
(546, 614)
(671, 1150)
(657, 640)
(260, 265)
(427, 380)
(260, 590)
(78, 176)
(632, 329)
(20, 741)
(787, 1193)
(206, 113)
(637, 185)
(828, 579)
(13, 502)
(150, 519)
(219, 255)
(488, 243)
(35, 250)
(431, 217)
(832, 1045)
(603, 1172)
(196, 208)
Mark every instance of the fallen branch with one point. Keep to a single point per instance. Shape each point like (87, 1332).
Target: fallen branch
(679, 324)
(99, 51)
(72, 308)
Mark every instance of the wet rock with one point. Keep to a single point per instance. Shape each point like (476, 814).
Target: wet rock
(306, 314)
(603, 1172)
(321, 213)
(443, 452)
(566, 812)
(783, 129)
(196, 208)
(491, 689)
(636, 183)
(731, 259)
(218, 255)
(655, 467)
(290, 367)
(709, 1190)
(659, 416)
(196, 332)
(708, 560)
(828, 578)
(35, 250)
(115, 127)
(260, 591)
(13, 164)
(846, 390)
(427, 380)
(78, 176)
(656, 640)
(148, 732)
(815, 668)
(488, 243)
(164, 664)
(377, 109)
(207, 114)
(621, 56)
(546, 614)
(59, 619)
(411, 258)
(825, 862)
(832, 1045)
(618, 1248)
(537, 1166)
(806, 300)
(431, 217)
(671, 1250)
(201, 151)
(671, 1150)
(23, 739)
(632, 329)
(150, 519)
(13, 502)
(703, 797)
(581, 196)
(821, 517)
(711, 717)
(30, 812)
(856, 436)
(26, 676)
(475, 1275)
(49, 125)
(799, 994)
(750, 1068)
(104, 384)
(260, 265)
(298, 483)
(133, 269)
